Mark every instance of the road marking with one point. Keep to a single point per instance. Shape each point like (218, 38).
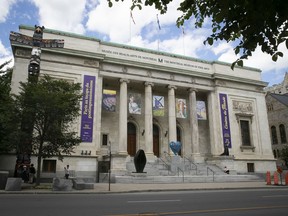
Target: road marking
(153, 201)
(204, 211)
(272, 196)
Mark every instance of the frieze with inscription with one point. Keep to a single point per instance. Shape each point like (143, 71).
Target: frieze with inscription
(243, 107)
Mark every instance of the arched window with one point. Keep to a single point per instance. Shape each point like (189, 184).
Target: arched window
(274, 135)
(282, 133)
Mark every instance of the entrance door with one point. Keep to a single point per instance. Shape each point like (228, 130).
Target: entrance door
(179, 139)
(131, 139)
(156, 140)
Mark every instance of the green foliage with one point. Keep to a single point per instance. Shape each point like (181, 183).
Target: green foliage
(54, 105)
(9, 119)
(253, 23)
(284, 155)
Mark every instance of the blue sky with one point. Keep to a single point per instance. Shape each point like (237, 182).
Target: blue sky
(95, 19)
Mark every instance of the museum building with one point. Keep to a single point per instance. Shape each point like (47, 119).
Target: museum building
(135, 98)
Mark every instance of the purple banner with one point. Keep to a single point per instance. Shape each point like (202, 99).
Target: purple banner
(87, 109)
(225, 120)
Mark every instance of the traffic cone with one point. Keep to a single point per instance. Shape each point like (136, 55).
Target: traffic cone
(268, 178)
(276, 179)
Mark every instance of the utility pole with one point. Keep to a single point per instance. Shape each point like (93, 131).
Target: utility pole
(27, 125)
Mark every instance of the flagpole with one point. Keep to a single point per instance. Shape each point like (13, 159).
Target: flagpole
(130, 31)
(159, 28)
(183, 40)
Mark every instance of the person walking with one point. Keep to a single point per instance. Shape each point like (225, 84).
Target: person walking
(66, 171)
(32, 172)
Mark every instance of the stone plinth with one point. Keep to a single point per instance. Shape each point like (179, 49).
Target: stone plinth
(13, 184)
(3, 179)
(62, 184)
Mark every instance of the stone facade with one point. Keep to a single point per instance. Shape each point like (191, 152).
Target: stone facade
(199, 103)
(277, 107)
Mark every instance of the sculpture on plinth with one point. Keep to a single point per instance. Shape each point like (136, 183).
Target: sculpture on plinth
(175, 147)
(140, 161)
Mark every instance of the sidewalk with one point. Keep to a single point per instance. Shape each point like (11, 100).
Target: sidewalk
(130, 188)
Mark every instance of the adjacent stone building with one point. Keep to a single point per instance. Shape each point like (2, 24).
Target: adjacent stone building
(277, 107)
(135, 98)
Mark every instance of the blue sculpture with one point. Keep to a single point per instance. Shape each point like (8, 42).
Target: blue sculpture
(175, 147)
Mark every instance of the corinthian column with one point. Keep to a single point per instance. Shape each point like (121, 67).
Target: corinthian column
(148, 122)
(123, 117)
(194, 127)
(172, 114)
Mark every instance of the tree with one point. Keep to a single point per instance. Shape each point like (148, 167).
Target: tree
(251, 23)
(55, 104)
(284, 155)
(9, 119)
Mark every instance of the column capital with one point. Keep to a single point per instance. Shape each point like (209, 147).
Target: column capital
(171, 87)
(124, 80)
(192, 90)
(149, 83)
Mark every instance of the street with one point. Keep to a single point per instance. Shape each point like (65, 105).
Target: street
(198, 202)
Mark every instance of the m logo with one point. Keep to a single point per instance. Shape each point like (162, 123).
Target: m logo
(160, 60)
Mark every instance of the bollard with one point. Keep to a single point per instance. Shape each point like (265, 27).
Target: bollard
(268, 178)
(286, 179)
(276, 179)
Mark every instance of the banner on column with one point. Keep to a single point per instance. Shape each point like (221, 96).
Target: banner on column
(225, 120)
(109, 100)
(87, 108)
(201, 110)
(158, 105)
(181, 108)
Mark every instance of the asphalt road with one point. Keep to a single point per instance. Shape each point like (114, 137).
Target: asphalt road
(205, 203)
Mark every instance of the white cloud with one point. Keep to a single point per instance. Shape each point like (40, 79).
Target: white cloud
(5, 56)
(4, 9)
(65, 15)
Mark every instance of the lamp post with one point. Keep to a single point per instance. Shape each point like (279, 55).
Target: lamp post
(36, 42)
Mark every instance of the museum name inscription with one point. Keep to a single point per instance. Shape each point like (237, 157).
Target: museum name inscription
(156, 60)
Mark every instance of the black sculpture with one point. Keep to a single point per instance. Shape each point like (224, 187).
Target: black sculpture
(140, 161)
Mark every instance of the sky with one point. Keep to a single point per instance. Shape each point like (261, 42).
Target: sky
(146, 28)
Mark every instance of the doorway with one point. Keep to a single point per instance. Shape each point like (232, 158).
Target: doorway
(131, 139)
(156, 140)
(179, 139)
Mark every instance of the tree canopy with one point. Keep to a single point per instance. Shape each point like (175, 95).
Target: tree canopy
(9, 119)
(54, 104)
(250, 23)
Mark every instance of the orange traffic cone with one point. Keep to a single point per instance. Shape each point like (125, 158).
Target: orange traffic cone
(276, 179)
(268, 178)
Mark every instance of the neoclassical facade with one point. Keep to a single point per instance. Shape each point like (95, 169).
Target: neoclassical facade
(134, 98)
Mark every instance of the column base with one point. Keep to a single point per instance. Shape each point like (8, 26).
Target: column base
(197, 158)
(150, 157)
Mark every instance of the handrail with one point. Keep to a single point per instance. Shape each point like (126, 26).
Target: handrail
(191, 163)
(167, 156)
(209, 169)
(165, 164)
(179, 169)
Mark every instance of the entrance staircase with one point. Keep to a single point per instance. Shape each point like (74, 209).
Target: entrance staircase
(162, 171)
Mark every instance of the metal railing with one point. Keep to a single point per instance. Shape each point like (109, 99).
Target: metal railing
(209, 169)
(165, 165)
(192, 165)
(179, 169)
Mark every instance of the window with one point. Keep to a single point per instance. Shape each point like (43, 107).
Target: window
(274, 135)
(282, 134)
(104, 139)
(49, 166)
(245, 132)
(250, 167)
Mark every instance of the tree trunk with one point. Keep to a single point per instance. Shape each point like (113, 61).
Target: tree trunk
(39, 158)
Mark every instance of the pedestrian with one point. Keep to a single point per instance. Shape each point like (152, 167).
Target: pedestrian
(226, 170)
(32, 172)
(66, 171)
(25, 174)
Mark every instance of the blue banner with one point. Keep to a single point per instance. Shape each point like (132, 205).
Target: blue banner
(225, 120)
(87, 108)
